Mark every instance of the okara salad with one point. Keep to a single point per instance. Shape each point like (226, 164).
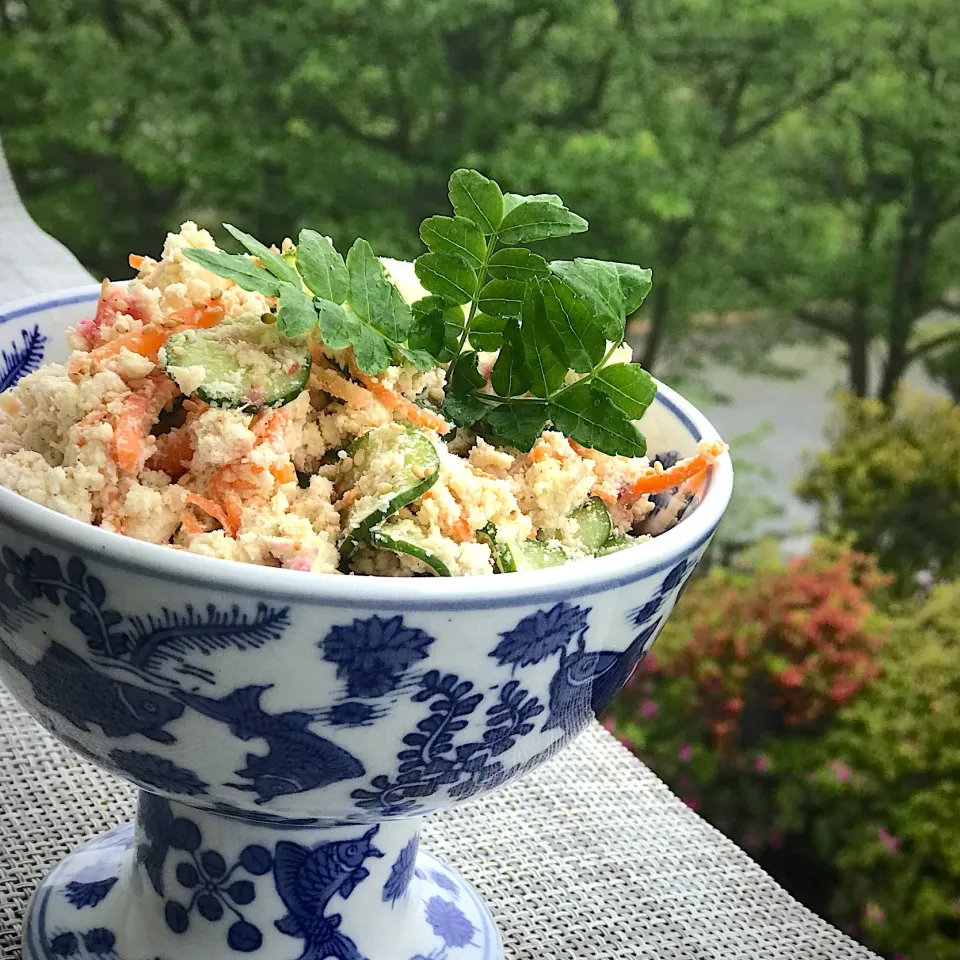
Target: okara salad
(471, 413)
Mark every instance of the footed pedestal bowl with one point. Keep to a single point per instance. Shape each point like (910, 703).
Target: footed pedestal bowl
(288, 731)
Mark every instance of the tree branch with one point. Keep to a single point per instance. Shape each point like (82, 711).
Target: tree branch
(819, 321)
(802, 99)
(934, 344)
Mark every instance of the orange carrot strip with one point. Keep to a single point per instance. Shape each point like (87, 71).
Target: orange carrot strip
(580, 450)
(128, 441)
(135, 261)
(707, 452)
(285, 473)
(605, 495)
(199, 317)
(407, 408)
(341, 388)
(190, 523)
(213, 508)
(462, 531)
(234, 508)
(270, 425)
(147, 342)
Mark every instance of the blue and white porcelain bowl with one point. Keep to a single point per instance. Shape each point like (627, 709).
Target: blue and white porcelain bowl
(288, 731)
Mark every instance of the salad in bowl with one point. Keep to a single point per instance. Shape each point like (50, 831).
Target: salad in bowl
(469, 414)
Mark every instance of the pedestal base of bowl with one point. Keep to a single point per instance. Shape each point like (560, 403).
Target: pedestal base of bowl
(184, 884)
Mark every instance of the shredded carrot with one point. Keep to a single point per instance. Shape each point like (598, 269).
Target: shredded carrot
(462, 531)
(199, 317)
(194, 408)
(285, 473)
(331, 382)
(540, 453)
(269, 426)
(128, 439)
(135, 261)
(234, 509)
(605, 495)
(578, 449)
(707, 452)
(407, 408)
(147, 342)
(214, 509)
(190, 523)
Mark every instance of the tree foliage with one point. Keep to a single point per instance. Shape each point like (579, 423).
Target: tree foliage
(891, 482)
(797, 156)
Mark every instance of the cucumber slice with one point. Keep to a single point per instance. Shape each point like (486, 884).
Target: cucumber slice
(238, 363)
(593, 525)
(513, 556)
(403, 461)
(405, 537)
(510, 555)
(615, 543)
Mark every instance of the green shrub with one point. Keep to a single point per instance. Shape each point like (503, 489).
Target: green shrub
(884, 804)
(893, 483)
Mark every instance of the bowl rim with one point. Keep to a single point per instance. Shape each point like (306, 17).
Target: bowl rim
(575, 579)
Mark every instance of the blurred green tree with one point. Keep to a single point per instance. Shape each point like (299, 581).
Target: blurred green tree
(122, 117)
(859, 233)
(800, 155)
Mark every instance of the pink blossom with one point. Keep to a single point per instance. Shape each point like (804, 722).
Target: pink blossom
(840, 770)
(890, 843)
(685, 753)
(649, 709)
(750, 840)
(761, 764)
(624, 742)
(608, 723)
(692, 802)
(873, 914)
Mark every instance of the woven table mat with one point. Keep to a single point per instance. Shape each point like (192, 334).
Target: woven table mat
(591, 856)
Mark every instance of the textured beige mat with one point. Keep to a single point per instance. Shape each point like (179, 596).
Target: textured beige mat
(590, 856)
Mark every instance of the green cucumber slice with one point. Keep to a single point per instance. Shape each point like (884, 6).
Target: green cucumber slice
(242, 363)
(510, 555)
(593, 525)
(403, 537)
(615, 543)
(399, 457)
(513, 556)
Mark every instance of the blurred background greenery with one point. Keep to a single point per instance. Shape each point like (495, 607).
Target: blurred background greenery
(790, 169)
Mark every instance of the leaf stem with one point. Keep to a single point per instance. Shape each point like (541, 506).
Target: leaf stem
(475, 300)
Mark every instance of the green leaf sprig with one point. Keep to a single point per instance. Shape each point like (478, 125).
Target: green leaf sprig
(352, 302)
(554, 326)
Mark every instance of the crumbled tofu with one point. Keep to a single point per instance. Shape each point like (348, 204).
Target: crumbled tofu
(220, 437)
(283, 487)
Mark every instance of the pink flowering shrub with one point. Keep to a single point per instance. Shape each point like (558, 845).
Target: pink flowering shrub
(753, 660)
(882, 808)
